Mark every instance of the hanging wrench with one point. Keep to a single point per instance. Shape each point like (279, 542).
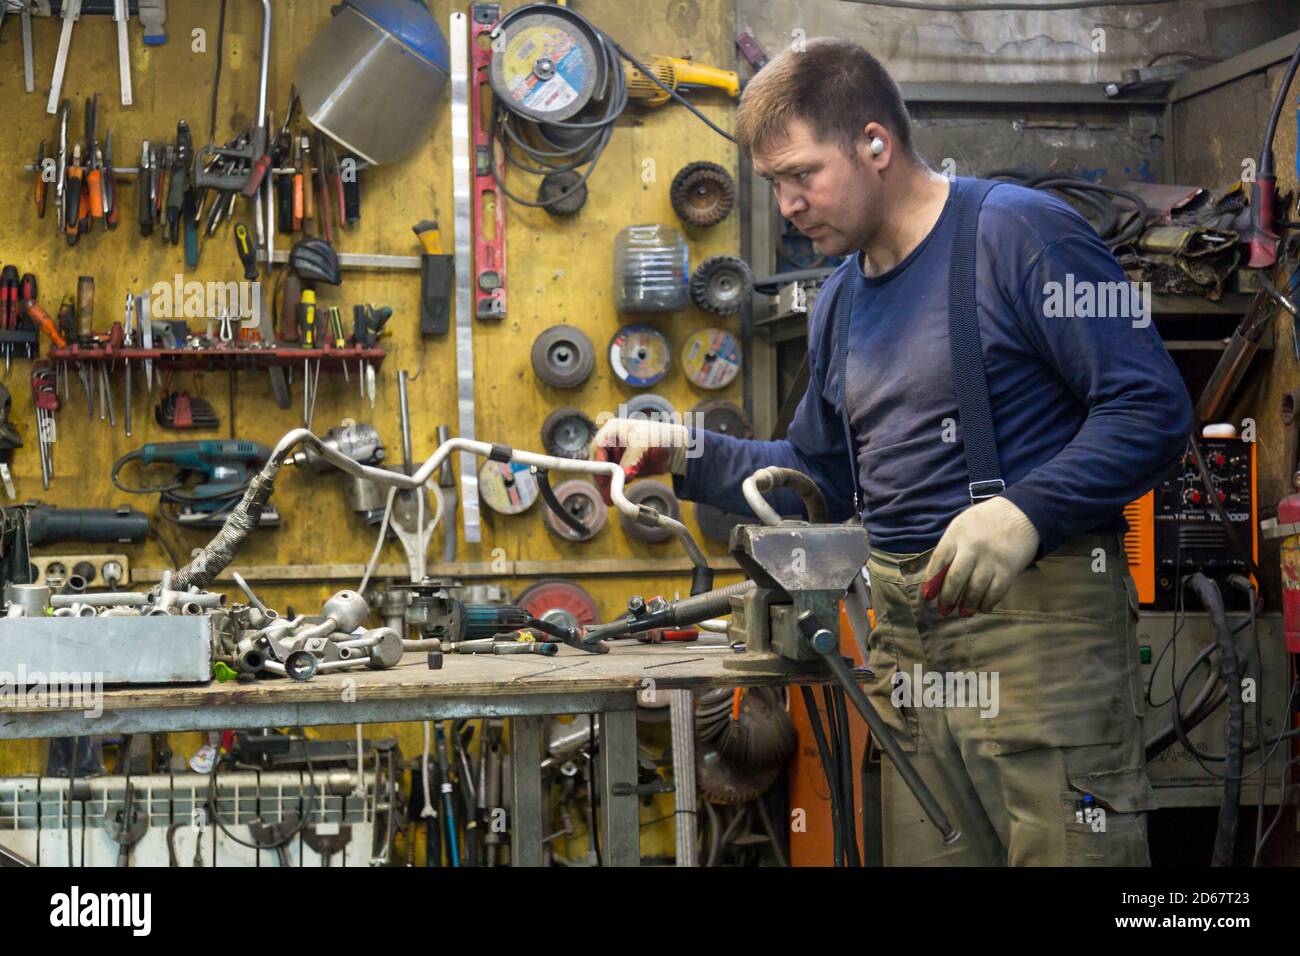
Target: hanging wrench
(71, 14)
(121, 15)
(29, 71)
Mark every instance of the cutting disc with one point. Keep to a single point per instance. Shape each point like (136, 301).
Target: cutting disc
(559, 602)
(563, 356)
(640, 355)
(506, 487)
(545, 64)
(580, 499)
(652, 494)
(567, 433)
(711, 358)
(650, 407)
(727, 418)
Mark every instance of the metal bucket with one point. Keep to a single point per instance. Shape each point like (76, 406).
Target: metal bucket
(373, 77)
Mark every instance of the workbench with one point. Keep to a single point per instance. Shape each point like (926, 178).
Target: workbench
(525, 688)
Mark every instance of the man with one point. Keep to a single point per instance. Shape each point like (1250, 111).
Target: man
(1018, 575)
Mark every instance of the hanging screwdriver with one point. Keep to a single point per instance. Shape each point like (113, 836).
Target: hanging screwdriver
(72, 198)
(247, 255)
(179, 184)
(307, 318)
(337, 339)
(94, 178)
(41, 319)
(9, 308)
(144, 191)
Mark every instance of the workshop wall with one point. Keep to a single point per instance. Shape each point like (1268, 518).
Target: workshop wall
(558, 272)
(1110, 142)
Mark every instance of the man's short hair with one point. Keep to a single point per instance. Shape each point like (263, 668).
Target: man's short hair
(833, 85)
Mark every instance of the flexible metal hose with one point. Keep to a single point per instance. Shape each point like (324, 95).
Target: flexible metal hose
(220, 551)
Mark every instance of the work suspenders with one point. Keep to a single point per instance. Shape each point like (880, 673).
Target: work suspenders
(969, 379)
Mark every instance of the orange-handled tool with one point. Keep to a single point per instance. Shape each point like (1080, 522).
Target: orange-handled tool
(32, 310)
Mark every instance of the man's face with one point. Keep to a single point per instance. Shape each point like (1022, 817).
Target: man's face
(833, 198)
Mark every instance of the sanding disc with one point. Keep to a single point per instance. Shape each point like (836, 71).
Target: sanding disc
(563, 356)
(652, 494)
(580, 499)
(650, 407)
(567, 433)
(640, 355)
(711, 358)
(726, 418)
(545, 64)
(560, 602)
(507, 487)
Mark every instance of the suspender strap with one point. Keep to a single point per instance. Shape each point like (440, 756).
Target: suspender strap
(969, 380)
(843, 317)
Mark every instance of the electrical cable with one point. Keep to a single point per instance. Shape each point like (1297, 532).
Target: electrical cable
(846, 778)
(303, 820)
(828, 768)
(673, 93)
(838, 744)
(581, 142)
(1225, 838)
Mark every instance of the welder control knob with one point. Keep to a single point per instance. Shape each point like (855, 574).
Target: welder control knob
(1192, 496)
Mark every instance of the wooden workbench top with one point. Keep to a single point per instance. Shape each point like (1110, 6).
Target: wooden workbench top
(481, 676)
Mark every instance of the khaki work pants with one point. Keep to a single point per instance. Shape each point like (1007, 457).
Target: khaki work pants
(1051, 715)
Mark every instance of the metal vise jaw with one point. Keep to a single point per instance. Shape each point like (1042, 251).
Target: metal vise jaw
(796, 567)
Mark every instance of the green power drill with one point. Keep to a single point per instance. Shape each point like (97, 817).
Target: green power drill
(225, 467)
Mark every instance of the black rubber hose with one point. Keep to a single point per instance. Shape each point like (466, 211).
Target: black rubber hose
(846, 776)
(828, 766)
(552, 502)
(1225, 839)
(774, 478)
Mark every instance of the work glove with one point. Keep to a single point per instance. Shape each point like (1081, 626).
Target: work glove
(979, 555)
(642, 447)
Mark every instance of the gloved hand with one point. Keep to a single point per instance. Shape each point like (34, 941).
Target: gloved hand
(642, 447)
(978, 557)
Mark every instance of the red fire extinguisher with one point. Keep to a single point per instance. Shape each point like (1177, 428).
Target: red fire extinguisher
(1288, 528)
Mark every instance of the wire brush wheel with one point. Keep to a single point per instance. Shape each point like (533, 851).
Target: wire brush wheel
(759, 732)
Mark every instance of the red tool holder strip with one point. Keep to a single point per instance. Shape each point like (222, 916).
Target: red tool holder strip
(215, 358)
(489, 238)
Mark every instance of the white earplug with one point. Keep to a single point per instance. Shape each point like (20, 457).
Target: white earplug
(877, 146)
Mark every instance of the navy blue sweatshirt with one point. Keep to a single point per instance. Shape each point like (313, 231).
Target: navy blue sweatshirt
(1088, 408)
